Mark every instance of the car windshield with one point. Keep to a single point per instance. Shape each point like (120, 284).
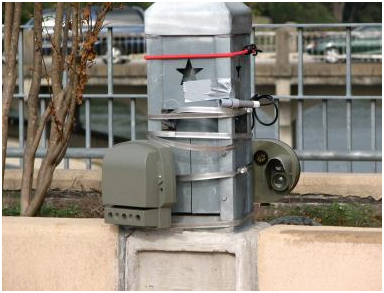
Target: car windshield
(123, 17)
(118, 17)
(48, 19)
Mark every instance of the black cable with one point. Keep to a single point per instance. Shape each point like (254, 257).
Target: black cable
(272, 101)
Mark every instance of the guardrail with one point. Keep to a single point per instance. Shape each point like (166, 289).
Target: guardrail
(265, 37)
(323, 153)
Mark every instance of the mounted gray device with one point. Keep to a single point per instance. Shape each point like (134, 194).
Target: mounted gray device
(276, 170)
(138, 184)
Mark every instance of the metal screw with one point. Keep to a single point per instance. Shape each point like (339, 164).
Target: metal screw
(223, 197)
(242, 170)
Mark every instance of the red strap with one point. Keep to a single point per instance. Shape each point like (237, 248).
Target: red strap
(197, 56)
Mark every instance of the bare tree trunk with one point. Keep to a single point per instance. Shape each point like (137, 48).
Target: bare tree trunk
(33, 98)
(355, 7)
(11, 38)
(338, 10)
(43, 184)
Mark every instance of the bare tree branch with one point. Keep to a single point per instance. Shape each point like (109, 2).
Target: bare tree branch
(43, 121)
(338, 10)
(68, 24)
(71, 100)
(64, 100)
(8, 21)
(11, 35)
(56, 55)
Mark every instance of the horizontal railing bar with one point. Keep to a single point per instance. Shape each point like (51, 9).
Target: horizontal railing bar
(145, 96)
(26, 26)
(315, 97)
(275, 25)
(303, 155)
(96, 96)
(339, 155)
(70, 153)
(315, 25)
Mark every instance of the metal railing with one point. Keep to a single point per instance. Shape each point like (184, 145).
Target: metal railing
(322, 154)
(325, 154)
(265, 37)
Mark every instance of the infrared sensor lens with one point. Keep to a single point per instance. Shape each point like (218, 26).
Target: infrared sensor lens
(279, 182)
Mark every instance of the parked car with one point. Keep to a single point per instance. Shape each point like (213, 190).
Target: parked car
(49, 16)
(365, 44)
(128, 32)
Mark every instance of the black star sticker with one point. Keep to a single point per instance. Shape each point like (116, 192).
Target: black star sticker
(189, 73)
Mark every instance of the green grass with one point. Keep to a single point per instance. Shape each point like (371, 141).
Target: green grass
(46, 211)
(334, 214)
(11, 211)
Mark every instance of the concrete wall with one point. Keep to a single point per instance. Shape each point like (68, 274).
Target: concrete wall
(293, 258)
(81, 254)
(59, 254)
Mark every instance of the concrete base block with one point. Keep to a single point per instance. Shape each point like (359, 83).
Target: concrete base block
(193, 260)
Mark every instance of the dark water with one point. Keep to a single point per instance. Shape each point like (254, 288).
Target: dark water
(312, 127)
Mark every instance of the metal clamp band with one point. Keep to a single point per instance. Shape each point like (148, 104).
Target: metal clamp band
(202, 135)
(199, 113)
(211, 110)
(198, 222)
(205, 176)
(214, 175)
(192, 147)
